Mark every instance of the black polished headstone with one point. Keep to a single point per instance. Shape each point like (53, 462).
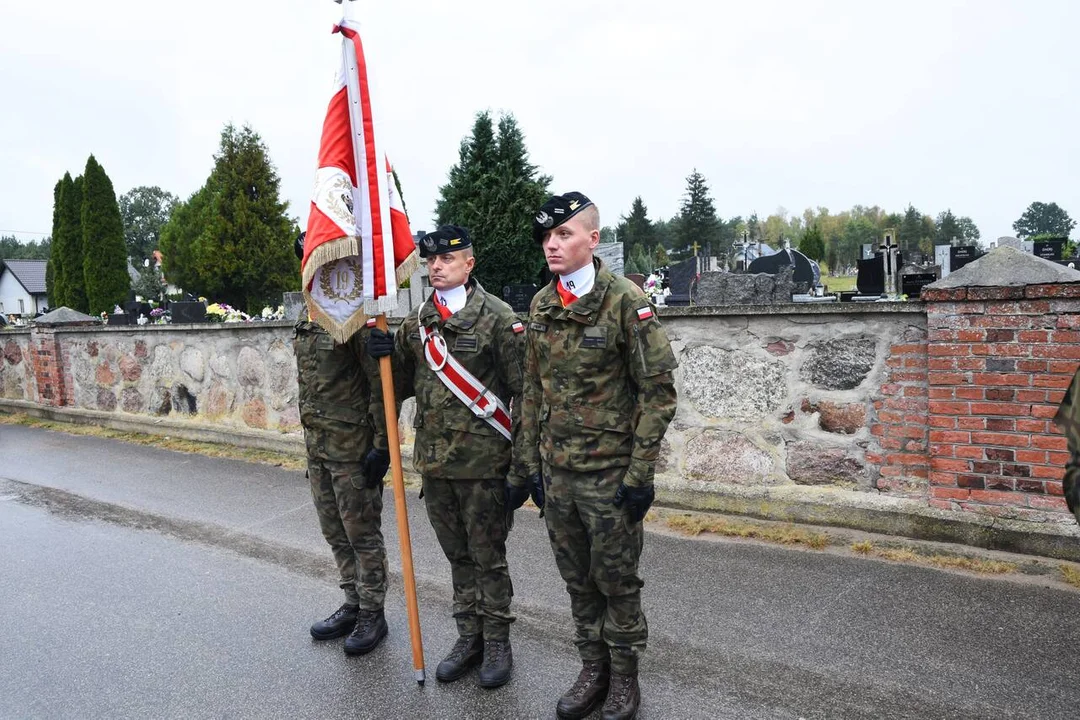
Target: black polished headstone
(121, 319)
(912, 284)
(1048, 249)
(519, 297)
(680, 278)
(187, 312)
(804, 276)
(962, 255)
(870, 279)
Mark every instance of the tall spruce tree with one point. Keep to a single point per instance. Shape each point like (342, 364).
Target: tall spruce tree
(494, 191)
(104, 250)
(636, 228)
(697, 218)
(242, 253)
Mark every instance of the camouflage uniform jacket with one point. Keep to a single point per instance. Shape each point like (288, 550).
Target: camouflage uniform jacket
(487, 338)
(340, 395)
(599, 390)
(1068, 419)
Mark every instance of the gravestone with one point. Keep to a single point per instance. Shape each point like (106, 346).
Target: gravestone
(870, 279)
(121, 319)
(719, 288)
(912, 283)
(519, 297)
(1049, 249)
(187, 311)
(680, 277)
(294, 305)
(612, 255)
(804, 273)
(961, 255)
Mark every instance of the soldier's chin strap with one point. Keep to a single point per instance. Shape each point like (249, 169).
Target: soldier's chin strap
(483, 403)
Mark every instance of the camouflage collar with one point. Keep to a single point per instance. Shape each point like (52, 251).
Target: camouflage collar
(584, 309)
(463, 319)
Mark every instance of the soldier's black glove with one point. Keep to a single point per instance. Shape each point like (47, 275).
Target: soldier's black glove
(636, 499)
(515, 497)
(376, 463)
(536, 491)
(380, 343)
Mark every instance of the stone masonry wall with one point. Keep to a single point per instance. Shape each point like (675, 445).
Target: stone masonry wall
(945, 403)
(234, 374)
(17, 378)
(784, 395)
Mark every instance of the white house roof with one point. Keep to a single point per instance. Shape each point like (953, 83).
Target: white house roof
(29, 273)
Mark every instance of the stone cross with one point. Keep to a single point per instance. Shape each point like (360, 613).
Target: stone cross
(889, 250)
(745, 246)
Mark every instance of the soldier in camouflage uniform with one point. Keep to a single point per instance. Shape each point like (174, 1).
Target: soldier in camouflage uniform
(599, 394)
(463, 459)
(1068, 419)
(345, 431)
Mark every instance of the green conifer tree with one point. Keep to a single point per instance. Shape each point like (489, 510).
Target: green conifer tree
(494, 191)
(104, 249)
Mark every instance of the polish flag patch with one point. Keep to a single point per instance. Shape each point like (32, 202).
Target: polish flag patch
(371, 322)
(644, 313)
(517, 327)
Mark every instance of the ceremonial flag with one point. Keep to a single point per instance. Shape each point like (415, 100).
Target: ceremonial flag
(359, 247)
(357, 251)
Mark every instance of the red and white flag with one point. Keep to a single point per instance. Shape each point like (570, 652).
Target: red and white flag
(359, 247)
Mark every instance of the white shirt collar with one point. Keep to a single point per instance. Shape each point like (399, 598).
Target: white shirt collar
(454, 299)
(579, 282)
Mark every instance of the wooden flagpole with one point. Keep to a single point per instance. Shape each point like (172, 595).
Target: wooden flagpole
(401, 510)
(398, 478)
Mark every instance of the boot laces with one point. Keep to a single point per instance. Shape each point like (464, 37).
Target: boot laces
(622, 684)
(341, 612)
(364, 620)
(493, 650)
(461, 647)
(588, 675)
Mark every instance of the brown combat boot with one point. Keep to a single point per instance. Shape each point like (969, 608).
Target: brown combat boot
(623, 699)
(586, 693)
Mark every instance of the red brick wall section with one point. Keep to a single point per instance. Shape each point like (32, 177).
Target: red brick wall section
(49, 370)
(899, 428)
(1000, 360)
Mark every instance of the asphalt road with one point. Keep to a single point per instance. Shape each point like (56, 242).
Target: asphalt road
(137, 582)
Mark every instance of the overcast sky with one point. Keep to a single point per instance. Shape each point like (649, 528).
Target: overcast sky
(972, 106)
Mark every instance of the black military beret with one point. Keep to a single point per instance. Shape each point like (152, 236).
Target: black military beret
(448, 238)
(557, 210)
(300, 245)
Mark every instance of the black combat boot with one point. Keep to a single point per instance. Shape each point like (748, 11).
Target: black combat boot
(623, 698)
(338, 624)
(587, 692)
(369, 631)
(498, 662)
(468, 652)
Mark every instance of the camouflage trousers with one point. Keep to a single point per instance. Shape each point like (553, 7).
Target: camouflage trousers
(596, 550)
(350, 515)
(469, 519)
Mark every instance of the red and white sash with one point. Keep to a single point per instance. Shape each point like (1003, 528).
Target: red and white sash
(466, 387)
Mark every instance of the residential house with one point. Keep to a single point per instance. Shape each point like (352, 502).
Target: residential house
(22, 287)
